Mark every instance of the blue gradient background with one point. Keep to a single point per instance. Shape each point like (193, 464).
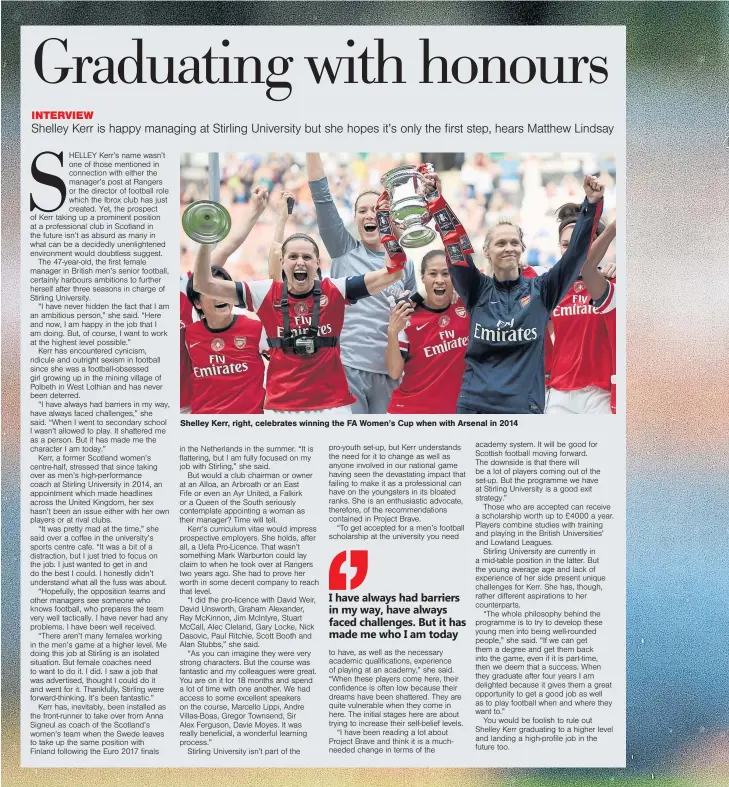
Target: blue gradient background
(678, 376)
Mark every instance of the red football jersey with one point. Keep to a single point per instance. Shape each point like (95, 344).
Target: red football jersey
(582, 355)
(186, 317)
(185, 372)
(226, 366)
(434, 344)
(607, 310)
(302, 382)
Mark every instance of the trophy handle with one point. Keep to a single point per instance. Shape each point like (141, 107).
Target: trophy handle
(420, 173)
(418, 176)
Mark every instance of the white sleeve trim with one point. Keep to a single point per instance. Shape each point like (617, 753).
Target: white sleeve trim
(258, 291)
(263, 344)
(608, 301)
(341, 285)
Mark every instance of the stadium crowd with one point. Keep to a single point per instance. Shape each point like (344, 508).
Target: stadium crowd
(525, 188)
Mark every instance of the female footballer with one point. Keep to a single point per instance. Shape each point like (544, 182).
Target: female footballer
(426, 342)
(582, 361)
(222, 356)
(509, 313)
(302, 316)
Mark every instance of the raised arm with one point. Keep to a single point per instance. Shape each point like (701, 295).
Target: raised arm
(204, 282)
(259, 200)
(331, 227)
(394, 360)
(594, 279)
(275, 271)
(555, 283)
(354, 288)
(377, 281)
(467, 278)
(314, 166)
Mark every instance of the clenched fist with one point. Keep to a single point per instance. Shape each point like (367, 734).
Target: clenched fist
(283, 205)
(259, 199)
(594, 190)
(400, 316)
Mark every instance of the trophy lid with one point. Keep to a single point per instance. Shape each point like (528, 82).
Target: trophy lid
(206, 221)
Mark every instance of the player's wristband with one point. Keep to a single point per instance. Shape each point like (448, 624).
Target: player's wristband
(355, 288)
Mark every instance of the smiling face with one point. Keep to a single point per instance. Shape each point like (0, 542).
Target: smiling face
(437, 283)
(366, 218)
(504, 248)
(300, 264)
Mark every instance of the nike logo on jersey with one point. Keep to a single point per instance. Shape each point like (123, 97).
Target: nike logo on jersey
(420, 327)
(194, 345)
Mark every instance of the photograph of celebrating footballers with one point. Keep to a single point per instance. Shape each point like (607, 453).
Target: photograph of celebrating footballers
(375, 283)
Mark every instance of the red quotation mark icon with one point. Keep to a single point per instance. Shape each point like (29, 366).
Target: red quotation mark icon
(338, 579)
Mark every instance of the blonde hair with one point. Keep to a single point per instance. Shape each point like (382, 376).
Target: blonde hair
(501, 222)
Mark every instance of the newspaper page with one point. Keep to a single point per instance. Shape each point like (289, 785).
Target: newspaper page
(322, 521)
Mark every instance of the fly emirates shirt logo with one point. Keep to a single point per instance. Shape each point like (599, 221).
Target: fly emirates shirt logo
(448, 341)
(580, 304)
(301, 317)
(219, 365)
(303, 325)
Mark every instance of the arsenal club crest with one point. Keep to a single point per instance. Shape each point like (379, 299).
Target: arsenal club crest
(217, 345)
(301, 308)
(525, 300)
(444, 320)
(240, 342)
(323, 300)
(461, 311)
(580, 286)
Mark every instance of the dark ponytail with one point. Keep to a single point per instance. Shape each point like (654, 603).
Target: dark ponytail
(568, 214)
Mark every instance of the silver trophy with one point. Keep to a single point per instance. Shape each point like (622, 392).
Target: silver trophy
(409, 214)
